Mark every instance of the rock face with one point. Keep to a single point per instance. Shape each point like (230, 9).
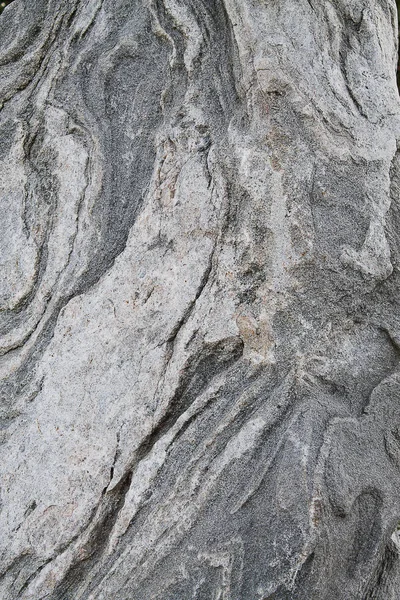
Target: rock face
(200, 300)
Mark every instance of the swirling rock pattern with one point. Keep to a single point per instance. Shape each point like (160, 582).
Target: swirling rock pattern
(199, 300)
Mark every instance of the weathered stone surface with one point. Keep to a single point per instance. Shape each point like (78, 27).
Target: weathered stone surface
(200, 320)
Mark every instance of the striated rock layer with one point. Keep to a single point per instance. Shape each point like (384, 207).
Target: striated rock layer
(200, 300)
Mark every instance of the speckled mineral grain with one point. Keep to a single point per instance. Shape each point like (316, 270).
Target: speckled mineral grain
(199, 300)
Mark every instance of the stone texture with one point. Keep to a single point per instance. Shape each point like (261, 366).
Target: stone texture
(199, 289)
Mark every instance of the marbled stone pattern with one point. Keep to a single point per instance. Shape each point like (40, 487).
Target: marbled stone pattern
(199, 300)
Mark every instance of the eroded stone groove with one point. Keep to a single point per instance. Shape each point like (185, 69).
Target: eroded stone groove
(199, 331)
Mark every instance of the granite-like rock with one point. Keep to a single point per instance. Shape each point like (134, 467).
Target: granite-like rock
(199, 300)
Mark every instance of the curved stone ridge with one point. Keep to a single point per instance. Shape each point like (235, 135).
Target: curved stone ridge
(199, 300)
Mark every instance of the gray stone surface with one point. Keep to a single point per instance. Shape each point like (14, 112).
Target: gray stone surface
(199, 300)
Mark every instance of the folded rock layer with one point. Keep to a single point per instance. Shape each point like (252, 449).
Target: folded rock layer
(199, 300)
